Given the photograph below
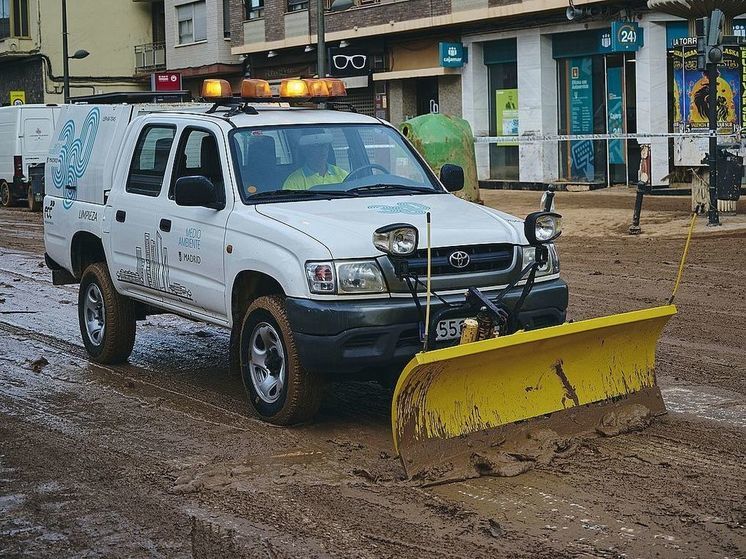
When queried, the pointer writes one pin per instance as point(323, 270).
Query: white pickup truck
point(262, 219)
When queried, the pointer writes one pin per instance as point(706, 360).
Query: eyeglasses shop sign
point(348, 62)
point(452, 55)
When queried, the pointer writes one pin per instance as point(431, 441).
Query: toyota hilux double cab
point(286, 224)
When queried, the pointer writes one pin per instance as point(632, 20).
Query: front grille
point(482, 258)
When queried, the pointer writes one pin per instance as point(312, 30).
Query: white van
point(25, 134)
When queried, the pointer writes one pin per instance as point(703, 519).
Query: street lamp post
point(337, 5)
point(321, 40)
point(65, 58)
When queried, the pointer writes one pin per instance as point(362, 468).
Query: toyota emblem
point(459, 259)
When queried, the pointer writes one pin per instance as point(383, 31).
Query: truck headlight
point(550, 268)
point(363, 276)
point(347, 277)
point(397, 239)
point(542, 227)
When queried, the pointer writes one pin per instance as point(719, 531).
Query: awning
point(693, 9)
point(418, 73)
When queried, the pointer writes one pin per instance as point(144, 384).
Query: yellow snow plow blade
point(461, 411)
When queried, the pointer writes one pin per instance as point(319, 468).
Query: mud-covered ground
point(158, 458)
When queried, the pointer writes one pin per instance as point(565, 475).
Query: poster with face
point(690, 91)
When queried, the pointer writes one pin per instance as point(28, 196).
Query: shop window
point(192, 22)
point(503, 98)
point(582, 84)
point(254, 9)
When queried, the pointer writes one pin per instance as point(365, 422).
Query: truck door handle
point(121, 215)
point(165, 225)
point(71, 186)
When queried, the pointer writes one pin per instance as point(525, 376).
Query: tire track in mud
point(80, 353)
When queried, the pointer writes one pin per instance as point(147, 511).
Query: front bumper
point(375, 336)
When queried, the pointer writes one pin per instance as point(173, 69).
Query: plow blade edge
point(569, 379)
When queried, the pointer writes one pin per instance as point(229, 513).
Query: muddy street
point(160, 457)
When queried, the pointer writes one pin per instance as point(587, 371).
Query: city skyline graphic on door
point(153, 270)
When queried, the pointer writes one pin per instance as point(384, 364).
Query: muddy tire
point(33, 205)
point(107, 319)
point(6, 199)
point(279, 388)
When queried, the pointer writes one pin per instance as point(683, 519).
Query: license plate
point(449, 329)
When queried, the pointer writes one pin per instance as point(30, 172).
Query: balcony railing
point(150, 57)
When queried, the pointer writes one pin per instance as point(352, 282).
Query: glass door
point(503, 97)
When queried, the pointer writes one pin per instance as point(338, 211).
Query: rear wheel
point(6, 200)
point(33, 205)
point(280, 389)
point(107, 319)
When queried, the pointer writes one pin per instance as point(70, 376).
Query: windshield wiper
point(281, 193)
point(388, 187)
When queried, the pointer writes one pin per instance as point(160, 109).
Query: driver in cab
point(316, 169)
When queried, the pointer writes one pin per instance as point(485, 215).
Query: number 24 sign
point(625, 36)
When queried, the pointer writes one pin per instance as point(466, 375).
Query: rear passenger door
point(194, 236)
point(140, 260)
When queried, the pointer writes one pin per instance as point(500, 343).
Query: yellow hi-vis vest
point(304, 178)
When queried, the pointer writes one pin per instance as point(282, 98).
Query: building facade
point(531, 71)
point(198, 42)
point(31, 63)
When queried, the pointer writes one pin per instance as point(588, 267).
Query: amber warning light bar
point(295, 89)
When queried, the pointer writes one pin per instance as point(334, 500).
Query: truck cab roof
point(267, 114)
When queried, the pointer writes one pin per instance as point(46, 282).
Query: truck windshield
point(329, 160)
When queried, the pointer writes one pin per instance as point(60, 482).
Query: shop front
point(596, 91)
point(543, 84)
point(420, 78)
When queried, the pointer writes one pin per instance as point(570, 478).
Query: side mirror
point(452, 177)
point(196, 191)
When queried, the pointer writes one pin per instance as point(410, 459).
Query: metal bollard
point(642, 189)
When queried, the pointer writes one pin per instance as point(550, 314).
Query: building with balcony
point(198, 42)
point(527, 73)
point(31, 47)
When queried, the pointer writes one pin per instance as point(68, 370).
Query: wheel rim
point(4, 194)
point(94, 314)
point(267, 363)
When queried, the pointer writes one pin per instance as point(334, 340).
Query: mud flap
point(592, 376)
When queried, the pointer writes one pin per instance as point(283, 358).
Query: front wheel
point(107, 319)
point(6, 200)
point(279, 388)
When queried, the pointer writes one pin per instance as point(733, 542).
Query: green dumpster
point(444, 139)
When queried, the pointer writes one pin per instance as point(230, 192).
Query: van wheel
point(5, 198)
point(107, 319)
point(33, 205)
point(280, 389)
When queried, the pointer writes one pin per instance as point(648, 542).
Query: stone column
point(652, 97)
point(475, 103)
point(537, 106)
